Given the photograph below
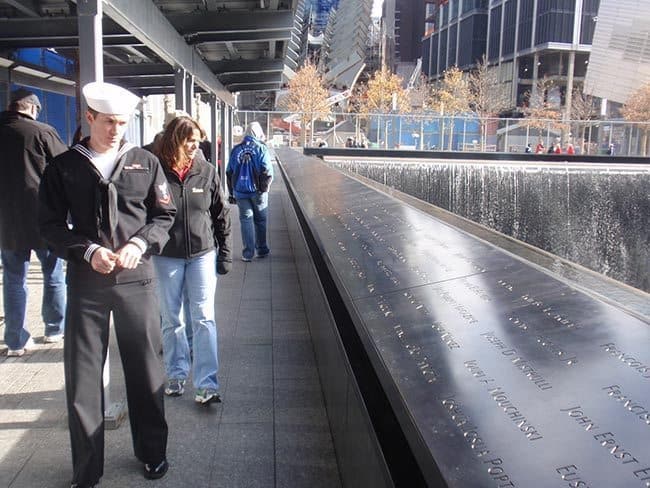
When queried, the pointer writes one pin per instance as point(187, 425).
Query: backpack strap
point(245, 157)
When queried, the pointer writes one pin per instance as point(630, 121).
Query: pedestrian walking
point(28, 146)
point(106, 208)
point(249, 175)
point(199, 247)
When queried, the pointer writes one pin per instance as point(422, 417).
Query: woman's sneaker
point(175, 387)
point(206, 396)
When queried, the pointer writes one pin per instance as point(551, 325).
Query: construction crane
point(417, 71)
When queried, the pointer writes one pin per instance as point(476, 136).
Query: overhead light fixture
point(5, 63)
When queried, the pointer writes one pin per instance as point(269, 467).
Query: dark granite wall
point(596, 216)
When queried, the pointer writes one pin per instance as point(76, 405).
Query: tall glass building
point(526, 39)
point(320, 14)
point(620, 58)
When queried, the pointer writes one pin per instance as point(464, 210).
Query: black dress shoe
point(155, 471)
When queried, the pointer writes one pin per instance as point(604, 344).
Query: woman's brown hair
point(177, 131)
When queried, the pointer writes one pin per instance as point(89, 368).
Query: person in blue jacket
point(249, 175)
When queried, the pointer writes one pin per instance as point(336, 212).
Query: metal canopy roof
point(228, 46)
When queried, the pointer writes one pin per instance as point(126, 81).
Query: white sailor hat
point(107, 98)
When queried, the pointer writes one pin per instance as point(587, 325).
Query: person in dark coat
point(199, 247)
point(27, 146)
point(106, 208)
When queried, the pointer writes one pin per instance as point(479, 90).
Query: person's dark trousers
point(15, 265)
point(136, 320)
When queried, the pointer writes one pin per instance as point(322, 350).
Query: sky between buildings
point(376, 8)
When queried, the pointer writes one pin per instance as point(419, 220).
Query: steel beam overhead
point(239, 36)
point(50, 28)
point(246, 78)
point(134, 70)
point(142, 81)
point(48, 84)
point(125, 40)
point(25, 6)
point(63, 32)
point(246, 65)
point(145, 40)
point(236, 21)
point(154, 90)
point(255, 87)
point(144, 20)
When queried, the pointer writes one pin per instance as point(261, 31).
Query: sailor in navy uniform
point(105, 208)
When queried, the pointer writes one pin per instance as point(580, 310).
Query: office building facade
point(526, 40)
point(402, 34)
point(620, 59)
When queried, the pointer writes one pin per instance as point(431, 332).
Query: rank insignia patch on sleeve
point(163, 193)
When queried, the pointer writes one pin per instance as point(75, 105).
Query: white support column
point(214, 155)
point(533, 90)
point(91, 61)
point(226, 133)
point(568, 97)
point(515, 59)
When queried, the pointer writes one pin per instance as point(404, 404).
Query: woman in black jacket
point(199, 247)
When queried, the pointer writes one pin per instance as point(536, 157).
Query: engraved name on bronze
point(500, 396)
point(571, 475)
point(438, 326)
point(493, 465)
point(518, 361)
point(631, 361)
point(548, 345)
point(558, 320)
point(629, 404)
point(613, 446)
point(415, 353)
point(456, 305)
point(476, 290)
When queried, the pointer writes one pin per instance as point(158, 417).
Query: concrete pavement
point(270, 431)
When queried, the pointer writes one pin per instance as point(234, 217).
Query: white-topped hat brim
point(110, 99)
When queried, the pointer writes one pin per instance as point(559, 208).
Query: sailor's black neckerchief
point(106, 195)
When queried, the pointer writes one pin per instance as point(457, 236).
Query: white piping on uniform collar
point(88, 153)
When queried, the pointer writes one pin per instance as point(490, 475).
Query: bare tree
point(451, 96)
point(385, 94)
point(583, 109)
point(539, 113)
point(637, 109)
point(307, 98)
point(489, 97)
point(420, 95)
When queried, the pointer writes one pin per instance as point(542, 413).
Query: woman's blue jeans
point(252, 218)
point(15, 265)
point(198, 278)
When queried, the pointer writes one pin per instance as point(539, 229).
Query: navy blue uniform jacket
point(78, 208)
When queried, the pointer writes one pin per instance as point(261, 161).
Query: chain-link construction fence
point(450, 133)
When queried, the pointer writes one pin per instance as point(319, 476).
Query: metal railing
point(450, 133)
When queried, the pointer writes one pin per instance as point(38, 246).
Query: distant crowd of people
point(356, 142)
point(556, 148)
point(144, 232)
